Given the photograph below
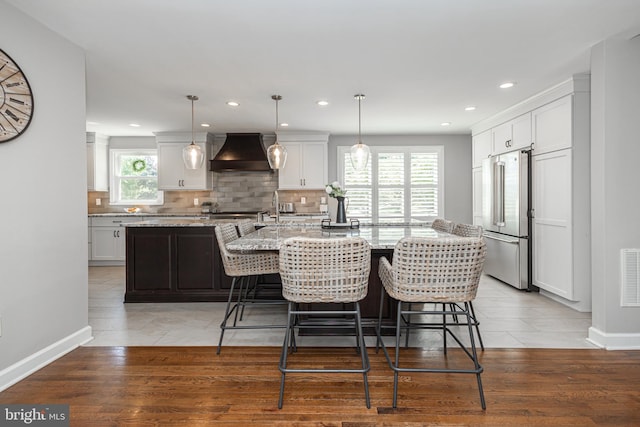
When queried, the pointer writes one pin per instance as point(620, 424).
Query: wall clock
point(16, 100)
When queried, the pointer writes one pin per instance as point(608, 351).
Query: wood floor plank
point(192, 386)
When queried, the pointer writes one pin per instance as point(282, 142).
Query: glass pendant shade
point(277, 156)
point(193, 156)
point(276, 153)
point(360, 156)
point(359, 152)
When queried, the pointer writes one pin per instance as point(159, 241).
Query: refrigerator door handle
point(498, 194)
point(512, 241)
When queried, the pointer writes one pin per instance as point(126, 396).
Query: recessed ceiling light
point(232, 103)
point(445, 124)
point(322, 103)
point(469, 108)
point(134, 125)
point(205, 125)
point(284, 125)
point(506, 85)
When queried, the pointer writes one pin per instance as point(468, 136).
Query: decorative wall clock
point(16, 100)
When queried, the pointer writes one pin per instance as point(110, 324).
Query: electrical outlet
point(98, 202)
point(303, 200)
point(196, 202)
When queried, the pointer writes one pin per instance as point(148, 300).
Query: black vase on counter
point(341, 215)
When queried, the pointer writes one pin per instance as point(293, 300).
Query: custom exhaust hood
point(241, 152)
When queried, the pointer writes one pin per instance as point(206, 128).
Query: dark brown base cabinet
point(174, 264)
point(183, 264)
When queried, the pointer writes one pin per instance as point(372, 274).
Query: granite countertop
point(196, 222)
point(143, 214)
point(378, 236)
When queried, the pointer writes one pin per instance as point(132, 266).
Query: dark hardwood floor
point(191, 386)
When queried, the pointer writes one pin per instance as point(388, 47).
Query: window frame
point(407, 151)
point(114, 178)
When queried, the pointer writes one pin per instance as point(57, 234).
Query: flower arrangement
point(335, 190)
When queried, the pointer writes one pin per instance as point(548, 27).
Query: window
point(134, 177)
point(400, 184)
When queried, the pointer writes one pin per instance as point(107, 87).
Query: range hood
point(241, 152)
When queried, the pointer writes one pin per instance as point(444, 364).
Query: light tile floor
point(509, 318)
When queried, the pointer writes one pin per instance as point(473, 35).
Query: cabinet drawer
point(114, 221)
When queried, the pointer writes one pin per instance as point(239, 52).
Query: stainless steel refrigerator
point(506, 217)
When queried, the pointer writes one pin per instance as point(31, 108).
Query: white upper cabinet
point(512, 135)
point(481, 147)
point(172, 173)
point(97, 162)
point(552, 126)
point(306, 166)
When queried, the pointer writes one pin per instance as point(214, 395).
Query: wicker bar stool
point(444, 225)
point(245, 227)
point(432, 270)
point(242, 267)
point(468, 230)
point(317, 270)
point(253, 285)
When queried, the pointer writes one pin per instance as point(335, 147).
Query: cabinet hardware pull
point(114, 234)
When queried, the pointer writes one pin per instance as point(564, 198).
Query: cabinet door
point(552, 126)
point(481, 147)
point(521, 132)
point(289, 177)
point(501, 138)
point(172, 173)
point(105, 245)
point(552, 227)
point(477, 195)
point(512, 135)
point(170, 166)
point(314, 167)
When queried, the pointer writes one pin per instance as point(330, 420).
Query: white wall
point(615, 199)
point(43, 224)
point(457, 166)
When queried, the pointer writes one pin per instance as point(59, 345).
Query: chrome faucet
point(276, 203)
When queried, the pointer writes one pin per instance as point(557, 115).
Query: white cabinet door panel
point(481, 147)
point(552, 228)
point(314, 168)
point(477, 195)
point(552, 126)
point(289, 176)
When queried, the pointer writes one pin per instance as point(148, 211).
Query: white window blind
point(400, 184)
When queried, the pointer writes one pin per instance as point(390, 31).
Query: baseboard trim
point(614, 341)
point(25, 367)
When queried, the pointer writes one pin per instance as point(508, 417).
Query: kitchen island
point(179, 260)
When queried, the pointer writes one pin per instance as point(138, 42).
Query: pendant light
point(359, 152)
point(276, 153)
point(192, 154)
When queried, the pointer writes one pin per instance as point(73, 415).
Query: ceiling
point(419, 62)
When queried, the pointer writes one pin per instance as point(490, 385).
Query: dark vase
point(341, 215)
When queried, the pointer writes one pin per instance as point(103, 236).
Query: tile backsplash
point(233, 191)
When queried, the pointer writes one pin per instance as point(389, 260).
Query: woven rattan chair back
point(467, 230)
point(428, 269)
point(325, 270)
point(245, 227)
point(443, 225)
point(243, 264)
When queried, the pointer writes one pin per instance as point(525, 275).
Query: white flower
point(335, 190)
